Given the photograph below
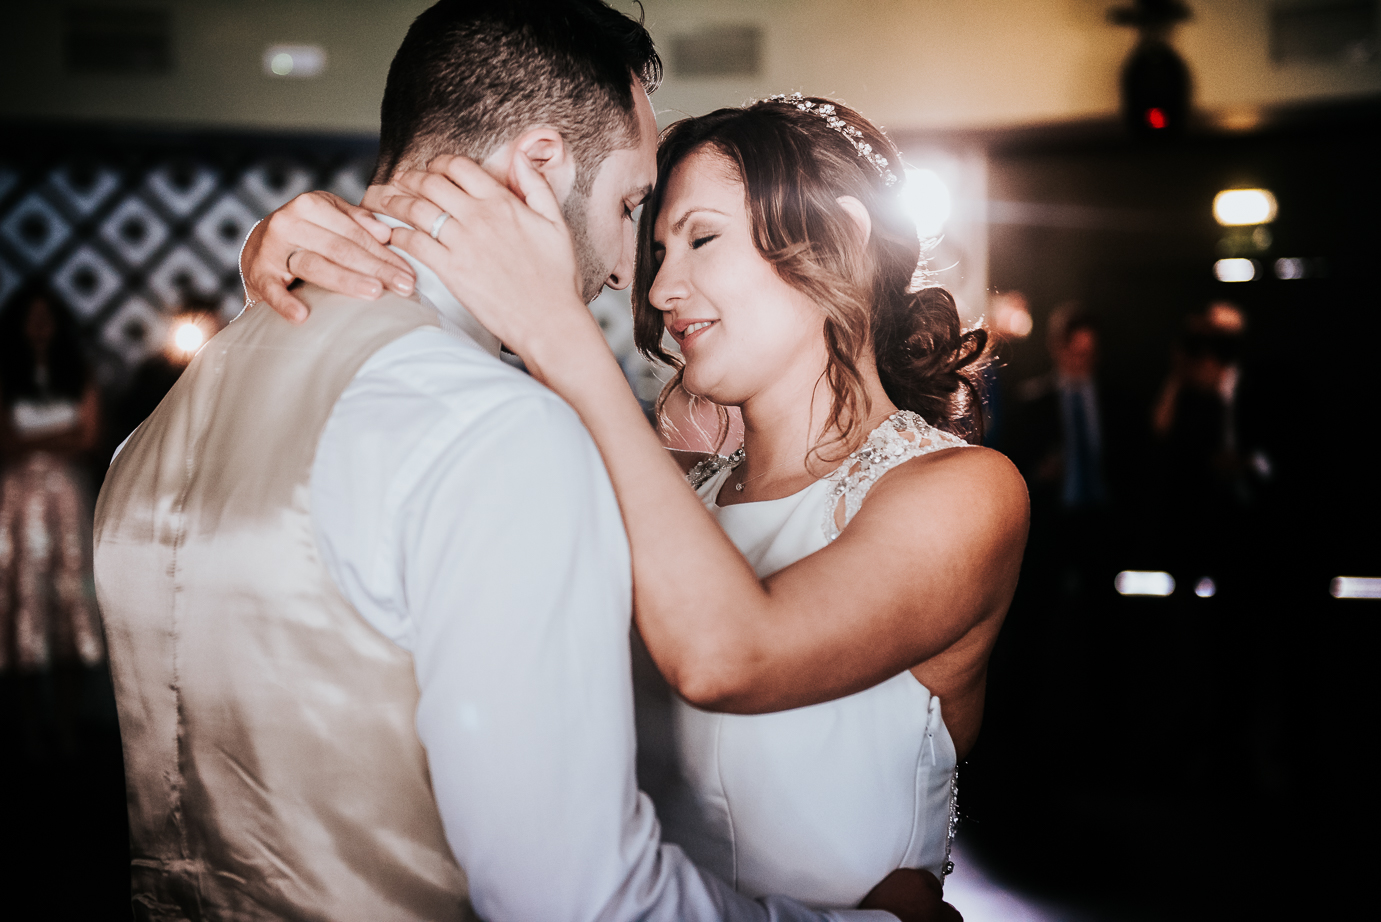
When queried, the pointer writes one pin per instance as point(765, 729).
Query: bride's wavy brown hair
point(794, 167)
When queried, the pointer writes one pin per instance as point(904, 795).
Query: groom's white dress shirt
point(464, 511)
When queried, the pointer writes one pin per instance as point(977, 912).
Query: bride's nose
point(668, 287)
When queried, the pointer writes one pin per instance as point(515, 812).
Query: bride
point(819, 592)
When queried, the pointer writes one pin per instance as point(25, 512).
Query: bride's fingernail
point(402, 284)
point(373, 289)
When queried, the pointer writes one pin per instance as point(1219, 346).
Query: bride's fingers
point(318, 270)
point(353, 224)
point(537, 192)
point(468, 175)
point(414, 210)
point(372, 225)
point(317, 222)
point(442, 194)
point(420, 245)
point(277, 296)
point(325, 258)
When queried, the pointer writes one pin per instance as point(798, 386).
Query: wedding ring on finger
point(439, 223)
point(288, 263)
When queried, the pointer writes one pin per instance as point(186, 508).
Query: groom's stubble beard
point(575, 210)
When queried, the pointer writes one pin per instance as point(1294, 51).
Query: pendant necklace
point(738, 487)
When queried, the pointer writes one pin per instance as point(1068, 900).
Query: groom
point(366, 587)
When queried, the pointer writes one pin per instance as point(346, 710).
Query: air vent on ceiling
point(718, 51)
point(117, 40)
point(1324, 31)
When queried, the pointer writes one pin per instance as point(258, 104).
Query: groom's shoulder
point(434, 381)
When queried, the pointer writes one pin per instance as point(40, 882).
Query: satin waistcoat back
point(273, 767)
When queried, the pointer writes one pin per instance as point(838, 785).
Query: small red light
point(1155, 118)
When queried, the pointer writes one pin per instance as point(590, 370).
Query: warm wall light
point(294, 60)
point(1356, 587)
point(926, 199)
point(188, 337)
point(1234, 270)
point(1144, 582)
point(1242, 207)
point(1010, 314)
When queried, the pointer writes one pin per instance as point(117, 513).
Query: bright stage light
point(1206, 588)
point(926, 199)
point(1144, 582)
point(1234, 270)
point(1356, 587)
point(188, 337)
point(1243, 207)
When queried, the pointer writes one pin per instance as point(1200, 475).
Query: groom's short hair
point(473, 74)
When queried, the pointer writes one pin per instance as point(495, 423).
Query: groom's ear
point(546, 152)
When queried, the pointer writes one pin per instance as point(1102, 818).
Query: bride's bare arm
point(323, 239)
point(930, 559)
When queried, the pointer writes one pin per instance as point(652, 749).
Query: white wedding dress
point(817, 803)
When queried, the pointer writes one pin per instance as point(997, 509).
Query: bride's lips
point(687, 331)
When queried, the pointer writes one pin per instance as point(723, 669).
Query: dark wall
point(1186, 754)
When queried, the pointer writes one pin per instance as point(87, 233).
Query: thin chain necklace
point(743, 456)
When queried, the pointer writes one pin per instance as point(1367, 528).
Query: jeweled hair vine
point(851, 134)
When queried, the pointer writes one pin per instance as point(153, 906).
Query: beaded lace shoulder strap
point(904, 435)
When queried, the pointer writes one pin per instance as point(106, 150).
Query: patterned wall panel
point(128, 227)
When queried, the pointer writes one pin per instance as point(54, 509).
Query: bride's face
point(741, 328)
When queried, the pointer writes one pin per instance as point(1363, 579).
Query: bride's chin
point(717, 384)
point(713, 395)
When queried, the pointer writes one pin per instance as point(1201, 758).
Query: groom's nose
point(621, 276)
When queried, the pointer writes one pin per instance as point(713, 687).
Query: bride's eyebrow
point(681, 222)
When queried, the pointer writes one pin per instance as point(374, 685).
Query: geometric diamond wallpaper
point(126, 226)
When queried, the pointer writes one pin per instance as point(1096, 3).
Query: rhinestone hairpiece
point(851, 134)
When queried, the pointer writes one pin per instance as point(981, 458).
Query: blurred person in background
point(1195, 416)
point(1061, 437)
point(1212, 469)
point(51, 420)
point(1057, 427)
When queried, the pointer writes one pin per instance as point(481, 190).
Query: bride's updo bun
point(794, 166)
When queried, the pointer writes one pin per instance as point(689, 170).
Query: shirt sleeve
point(516, 574)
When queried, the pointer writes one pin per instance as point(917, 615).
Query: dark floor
point(63, 813)
point(1142, 759)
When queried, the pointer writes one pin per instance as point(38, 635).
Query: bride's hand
point(508, 259)
point(912, 896)
point(323, 239)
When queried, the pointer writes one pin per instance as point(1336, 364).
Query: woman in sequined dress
point(50, 419)
point(827, 584)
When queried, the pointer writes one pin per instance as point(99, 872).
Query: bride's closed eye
point(698, 242)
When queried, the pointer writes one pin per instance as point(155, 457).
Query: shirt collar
point(455, 319)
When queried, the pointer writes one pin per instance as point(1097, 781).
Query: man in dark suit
point(1058, 432)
